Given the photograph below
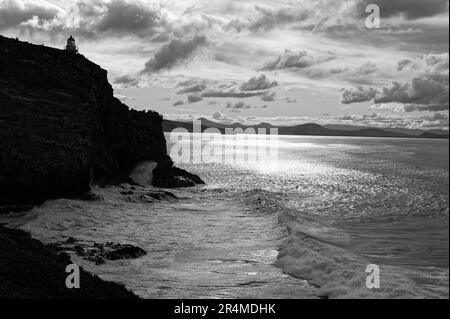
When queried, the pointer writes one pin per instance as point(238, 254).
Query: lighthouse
point(71, 46)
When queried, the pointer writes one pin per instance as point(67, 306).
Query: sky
point(284, 62)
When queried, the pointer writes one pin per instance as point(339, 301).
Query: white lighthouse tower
point(71, 46)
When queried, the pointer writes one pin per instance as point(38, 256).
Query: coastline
point(31, 270)
point(62, 131)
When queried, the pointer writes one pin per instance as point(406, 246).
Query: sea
point(329, 217)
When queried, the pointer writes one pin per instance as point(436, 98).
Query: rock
point(62, 129)
point(165, 175)
point(117, 251)
point(31, 270)
point(100, 252)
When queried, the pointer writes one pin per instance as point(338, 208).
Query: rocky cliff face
point(61, 129)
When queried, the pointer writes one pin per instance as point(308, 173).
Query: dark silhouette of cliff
point(62, 129)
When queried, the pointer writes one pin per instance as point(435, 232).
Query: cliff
point(62, 129)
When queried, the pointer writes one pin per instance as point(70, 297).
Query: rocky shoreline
point(32, 270)
point(62, 131)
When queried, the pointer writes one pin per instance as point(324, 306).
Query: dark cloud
point(238, 105)
point(241, 105)
point(15, 12)
point(421, 91)
point(194, 98)
point(272, 18)
point(405, 64)
point(192, 89)
point(126, 80)
point(258, 83)
point(422, 94)
point(301, 59)
point(256, 86)
point(174, 52)
point(98, 18)
point(127, 17)
point(427, 91)
point(410, 9)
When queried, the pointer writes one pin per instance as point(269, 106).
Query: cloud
point(271, 18)
point(98, 18)
point(422, 94)
point(433, 121)
point(363, 74)
point(268, 97)
point(126, 80)
point(219, 116)
point(125, 17)
point(428, 89)
point(300, 59)
point(258, 83)
point(427, 64)
point(230, 93)
point(421, 91)
point(174, 52)
point(408, 108)
point(194, 98)
point(256, 86)
point(192, 89)
point(358, 94)
point(124, 98)
point(312, 16)
point(365, 69)
point(238, 105)
point(15, 12)
point(405, 64)
point(410, 9)
point(290, 100)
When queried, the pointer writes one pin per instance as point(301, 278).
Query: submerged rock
point(100, 252)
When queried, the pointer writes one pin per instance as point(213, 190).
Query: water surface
point(303, 226)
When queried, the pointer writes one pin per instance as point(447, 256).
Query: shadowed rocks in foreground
point(29, 269)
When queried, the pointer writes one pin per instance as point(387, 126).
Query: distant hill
point(433, 135)
point(309, 129)
point(407, 131)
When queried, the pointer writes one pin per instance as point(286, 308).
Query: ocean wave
point(316, 252)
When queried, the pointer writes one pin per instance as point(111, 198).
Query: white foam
point(339, 273)
point(143, 173)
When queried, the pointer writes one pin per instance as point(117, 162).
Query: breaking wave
point(318, 252)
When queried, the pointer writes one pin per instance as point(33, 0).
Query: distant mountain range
point(314, 129)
